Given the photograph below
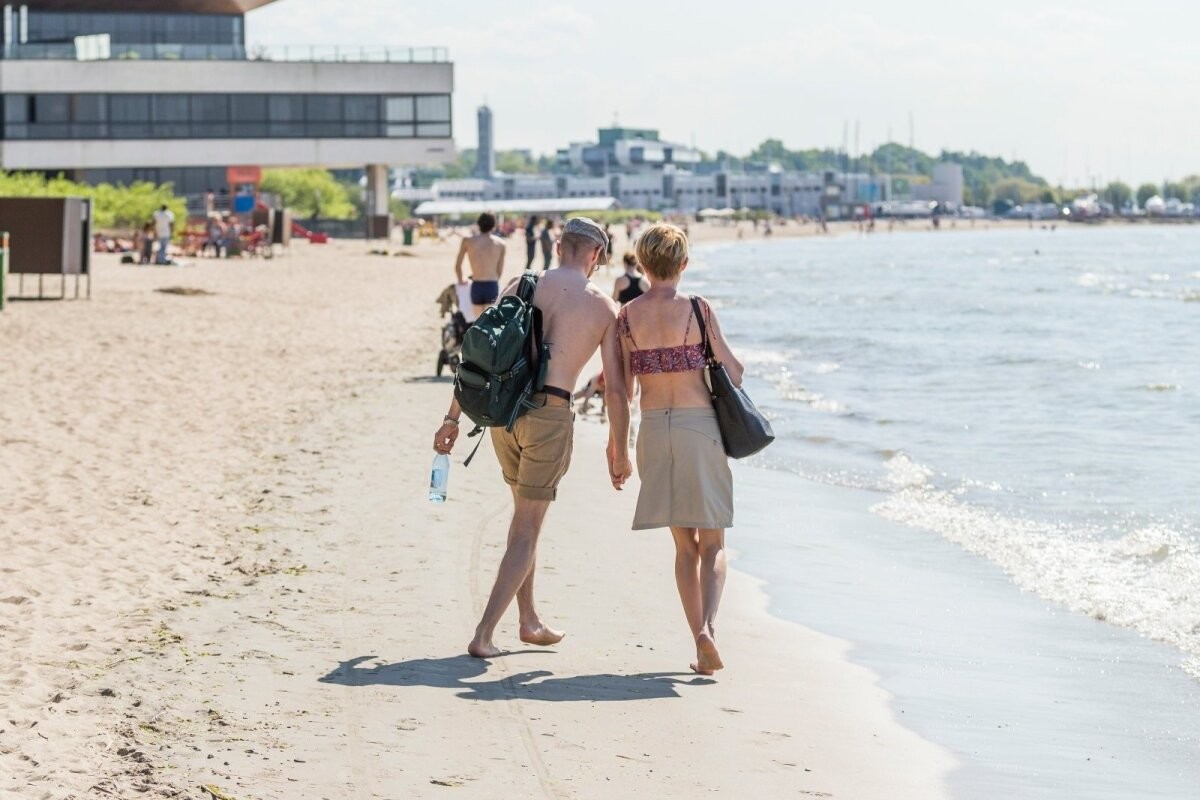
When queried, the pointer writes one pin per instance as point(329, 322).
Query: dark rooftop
point(151, 6)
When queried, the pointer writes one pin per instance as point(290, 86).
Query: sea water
point(1030, 396)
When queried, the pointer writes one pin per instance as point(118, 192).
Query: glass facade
point(225, 116)
point(130, 28)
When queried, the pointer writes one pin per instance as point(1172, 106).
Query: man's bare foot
point(708, 660)
point(541, 635)
point(482, 649)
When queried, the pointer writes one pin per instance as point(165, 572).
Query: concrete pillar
point(379, 190)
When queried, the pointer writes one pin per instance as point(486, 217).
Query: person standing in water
point(485, 251)
point(687, 485)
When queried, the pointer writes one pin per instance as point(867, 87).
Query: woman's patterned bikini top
point(662, 360)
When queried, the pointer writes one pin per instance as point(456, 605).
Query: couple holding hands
point(658, 340)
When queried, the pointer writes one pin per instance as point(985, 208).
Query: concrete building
point(945, 188)
point(485, 157)
point(625, 150)
point(163, 90)
point(784, 193)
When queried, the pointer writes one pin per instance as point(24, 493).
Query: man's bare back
point(485, 252)
point(576, 317)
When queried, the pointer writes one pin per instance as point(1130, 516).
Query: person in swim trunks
point(485, 251)
point(577, 318)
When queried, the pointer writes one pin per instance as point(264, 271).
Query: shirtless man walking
point(578, 317)
point(485, 251)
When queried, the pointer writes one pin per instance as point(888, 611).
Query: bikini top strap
point(623, 325)
point(691, 316)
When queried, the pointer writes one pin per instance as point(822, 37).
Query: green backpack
point(503, 362)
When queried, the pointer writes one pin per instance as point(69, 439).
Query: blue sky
point(1083, 91)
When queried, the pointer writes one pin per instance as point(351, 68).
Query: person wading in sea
point(485, 252)
point(578, 318)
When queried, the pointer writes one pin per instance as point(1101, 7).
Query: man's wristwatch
point(450, 420)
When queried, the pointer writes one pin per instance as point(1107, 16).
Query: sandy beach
point(221, 571)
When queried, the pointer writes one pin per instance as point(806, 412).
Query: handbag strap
point(699, 312)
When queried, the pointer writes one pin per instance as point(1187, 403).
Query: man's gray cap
point(589, 229)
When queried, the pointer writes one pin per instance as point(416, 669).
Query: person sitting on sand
point(577, 319)
point(632, 284)
point(687, 485)
point(485, 251)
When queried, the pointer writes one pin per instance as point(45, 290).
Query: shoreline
point(161, 596)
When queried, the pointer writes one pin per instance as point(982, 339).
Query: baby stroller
point(454, 304)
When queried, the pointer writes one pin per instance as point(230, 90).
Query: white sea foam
point(788, 389)
point(764, 358)
point(826, 367)
point(1147, 580)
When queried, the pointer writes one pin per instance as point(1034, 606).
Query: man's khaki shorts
point(536, 455)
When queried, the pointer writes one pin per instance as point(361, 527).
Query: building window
point(223, 116)
point(433, 108)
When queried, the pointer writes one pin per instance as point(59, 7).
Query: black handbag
point(744, 430)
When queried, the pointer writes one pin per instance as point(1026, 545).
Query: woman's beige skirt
point(686, 482)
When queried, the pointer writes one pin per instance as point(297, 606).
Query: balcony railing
point(92, 51)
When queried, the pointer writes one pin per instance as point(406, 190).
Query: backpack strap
point(698, 312)
point(478, 430)
point(527, 287)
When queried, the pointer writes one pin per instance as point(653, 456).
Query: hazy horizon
point(1082, 92)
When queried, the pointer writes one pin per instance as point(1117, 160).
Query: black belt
point(554, 391)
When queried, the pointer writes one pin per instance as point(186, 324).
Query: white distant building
point(945, 188)
point(784, 193)
point(626, 150)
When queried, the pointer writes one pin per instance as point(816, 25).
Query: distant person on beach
point(147, 252)
point(546, 237)
point(485, 251)
point(164, 226)
point(632, 284)
point(687, 485)
point(530, 241)
point(609, 253)
point(578, 318)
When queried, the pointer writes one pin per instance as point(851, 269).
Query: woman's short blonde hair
point(662, 250)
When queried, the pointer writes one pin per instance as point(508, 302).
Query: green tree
point(1145, 192)
point(1018, 190)
point(1191, 188)
point(978, 193)
point(1118, 193)
point(113, 207)
point(311, 193)
point(400, 210)
point(1176, 190)
point(515, 162)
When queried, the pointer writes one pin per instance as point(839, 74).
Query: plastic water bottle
point(439, 478)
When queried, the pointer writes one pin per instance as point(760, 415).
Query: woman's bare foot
point(708, 660)
point(541, 635)
point(482, 649)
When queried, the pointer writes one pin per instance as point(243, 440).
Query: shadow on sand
point(455, 672)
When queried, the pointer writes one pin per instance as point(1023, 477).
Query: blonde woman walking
point(686, 482)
